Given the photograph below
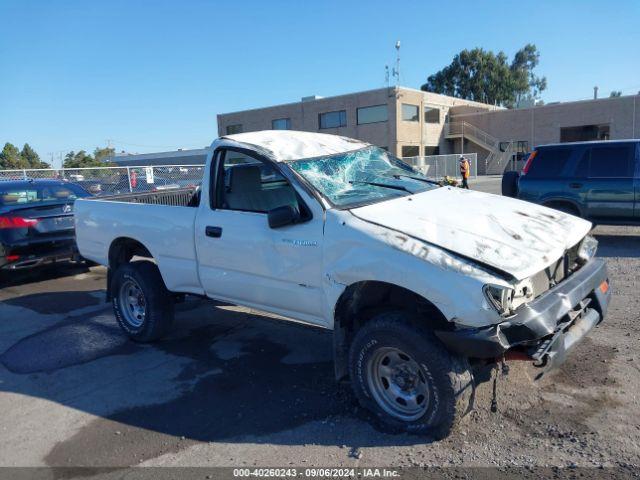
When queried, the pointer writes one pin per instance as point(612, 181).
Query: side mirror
point(281, 216)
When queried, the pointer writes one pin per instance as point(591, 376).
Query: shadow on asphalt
point(13, 278)
point(627, 246)
point(240, 374)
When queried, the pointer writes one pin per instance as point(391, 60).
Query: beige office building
point(413, 123)
point(405, 121)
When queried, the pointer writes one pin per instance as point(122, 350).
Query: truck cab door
point(610, 191)
point(244, 261)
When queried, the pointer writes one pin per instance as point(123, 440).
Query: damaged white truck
point(417, 281)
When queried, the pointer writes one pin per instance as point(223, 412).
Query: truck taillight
point(16, 222)
point(527, 165)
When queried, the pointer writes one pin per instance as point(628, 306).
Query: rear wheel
point(141, 302)
point(405, 376)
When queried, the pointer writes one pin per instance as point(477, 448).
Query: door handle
point(575, 185)
point(215, 232)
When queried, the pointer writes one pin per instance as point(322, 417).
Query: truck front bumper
point(546, 329)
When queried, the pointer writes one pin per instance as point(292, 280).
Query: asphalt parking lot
point(232, 386)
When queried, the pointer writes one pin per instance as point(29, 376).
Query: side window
point(549, 162)
point(610, 162)
point(582, 168)
point(249, 185)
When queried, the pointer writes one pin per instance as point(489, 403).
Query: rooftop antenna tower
point(396, 69)
point(386, 75)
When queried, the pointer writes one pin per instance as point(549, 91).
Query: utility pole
point(396, 69)
point(53, 156)
point(109, 146)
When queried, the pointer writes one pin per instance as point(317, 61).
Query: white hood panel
point(517, 237)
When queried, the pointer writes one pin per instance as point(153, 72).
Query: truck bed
point(162, 222)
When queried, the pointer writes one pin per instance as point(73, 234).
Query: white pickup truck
point(417, 281)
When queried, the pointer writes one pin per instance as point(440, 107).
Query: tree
point(30, 156)
point(526, 83)
point(83, 159)
point(10, 157)
point(615, 93)
point(486, 77)
point(104, 154)
point(80, 159)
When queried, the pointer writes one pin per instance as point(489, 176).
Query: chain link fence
point(117, 180)
point(440, 166)
point(121, 180)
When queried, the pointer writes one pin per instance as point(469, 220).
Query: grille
point(556, 272)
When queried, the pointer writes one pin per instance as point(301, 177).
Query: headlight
point(588, 248)
point(500, 297)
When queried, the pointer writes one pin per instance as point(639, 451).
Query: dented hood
point(510, 235)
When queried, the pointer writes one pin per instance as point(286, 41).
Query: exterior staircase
point(497, 161)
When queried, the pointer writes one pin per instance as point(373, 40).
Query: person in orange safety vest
point(465, 170)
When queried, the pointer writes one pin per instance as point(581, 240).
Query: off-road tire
point(449, 379)
point(159, 310)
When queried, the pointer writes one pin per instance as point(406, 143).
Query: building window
point(333, 119)
point(584, 133)
point(432, 150)
point(231, 129)
point(410, 113)
point(431, 115)
point(375, 114)
point(410, 151)
point(281, 124)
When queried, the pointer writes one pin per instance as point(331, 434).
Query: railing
point(497, 161)
point(439, 166)
point(464, 129)
point(117, 180)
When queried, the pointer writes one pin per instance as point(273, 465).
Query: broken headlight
point(499, 297)
point(588, 248)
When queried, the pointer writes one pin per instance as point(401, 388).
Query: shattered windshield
point(361, 177)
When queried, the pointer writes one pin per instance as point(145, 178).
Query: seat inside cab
point(256, 187)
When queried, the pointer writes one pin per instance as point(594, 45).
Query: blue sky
point(152, 75)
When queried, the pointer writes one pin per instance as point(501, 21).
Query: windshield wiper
point(383, 185)
point(398, 176)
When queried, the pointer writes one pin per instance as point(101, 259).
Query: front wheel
point(141, 302)
point(510, 184)
point(405, 376)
